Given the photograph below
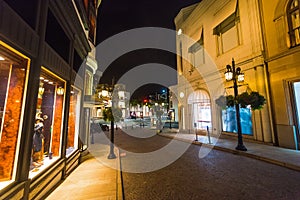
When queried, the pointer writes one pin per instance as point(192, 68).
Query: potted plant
point(254, 99)
point(225, 101)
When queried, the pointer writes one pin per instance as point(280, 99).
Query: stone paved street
point(219, 175)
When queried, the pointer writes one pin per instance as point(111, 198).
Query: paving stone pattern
point(220, 175)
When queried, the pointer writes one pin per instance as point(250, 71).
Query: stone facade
point(214, 33)
point(282, 56)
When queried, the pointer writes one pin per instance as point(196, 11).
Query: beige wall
point(205, 16)
point(283, 64)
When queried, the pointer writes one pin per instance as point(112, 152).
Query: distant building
point(173, 99)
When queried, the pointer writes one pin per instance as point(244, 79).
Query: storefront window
point(48, 122)
point(13, 79)
point(74, 118)
point(229, 120)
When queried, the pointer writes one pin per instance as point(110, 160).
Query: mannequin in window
point(38, 143)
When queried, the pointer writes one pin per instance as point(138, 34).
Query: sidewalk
point(93, 179)
point(276, 155)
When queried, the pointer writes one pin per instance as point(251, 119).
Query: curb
point(119, 178)
point(233, 151)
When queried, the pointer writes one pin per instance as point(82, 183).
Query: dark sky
point(116, 16)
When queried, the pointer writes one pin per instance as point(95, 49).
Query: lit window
point(227, 33)
point(13, 81)
point(46, 140)
point(229, 123)
point(74, 118)
point(294, 22)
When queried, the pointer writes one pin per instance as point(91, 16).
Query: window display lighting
point(60, 90)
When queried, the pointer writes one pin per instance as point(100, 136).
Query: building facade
point(282, 56)
point(210, 35)
point(46, 68)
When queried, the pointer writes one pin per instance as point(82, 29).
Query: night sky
point(116, 16)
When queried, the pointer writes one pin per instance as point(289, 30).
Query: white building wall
point(202, 18)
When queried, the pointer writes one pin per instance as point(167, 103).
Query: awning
point(227, 9)
point(198, 44)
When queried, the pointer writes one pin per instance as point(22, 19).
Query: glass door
point(296, 88)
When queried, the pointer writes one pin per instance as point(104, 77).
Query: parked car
point(104, 127)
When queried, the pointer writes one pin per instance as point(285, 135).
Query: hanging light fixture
point(104, 93)
point(41, 89)
point(60, 90)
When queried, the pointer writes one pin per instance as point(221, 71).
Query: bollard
point(208, 135)
point(196, 136)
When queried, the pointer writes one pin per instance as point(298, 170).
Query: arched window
point(293, 15)
point(200, 109)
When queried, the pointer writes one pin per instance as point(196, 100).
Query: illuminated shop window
point(229, 120)
point(13, 82)
point(48, 122)
point(74, 118)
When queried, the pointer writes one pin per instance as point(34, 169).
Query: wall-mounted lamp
point(179, 32)
point(181, 95)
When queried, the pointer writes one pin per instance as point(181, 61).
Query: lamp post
point(112, 125)
point(236, 75)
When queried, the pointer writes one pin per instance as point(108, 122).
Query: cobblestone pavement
point(219, 175)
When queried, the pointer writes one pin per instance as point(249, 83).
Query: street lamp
point(112, 125)
point(106, 95)
point(236, 75)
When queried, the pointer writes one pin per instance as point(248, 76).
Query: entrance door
point(296, 91)
point(200, 109)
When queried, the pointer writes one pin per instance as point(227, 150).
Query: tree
point(114, 114)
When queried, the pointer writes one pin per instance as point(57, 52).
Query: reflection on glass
point(48, 122)
point(12, 90)
point(74, 116)
point(229, 120)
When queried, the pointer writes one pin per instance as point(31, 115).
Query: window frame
point(194, 49)
point(233, 21)
point(291, 32)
